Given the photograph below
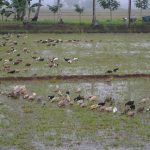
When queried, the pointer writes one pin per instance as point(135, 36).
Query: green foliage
point(54, 8)
point(109, 4)
point(36, 5)
point(78, 9)
point(19, 5)
point(143, 4)
point(1, 3)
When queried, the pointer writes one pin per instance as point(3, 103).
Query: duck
point(12, 71)
point(79, 97)
point(130, 113)
point(55, 65)
point(55, 58)
point(18, 55)
point(126, 109)
point(131, 102)
point(68, 60)
point(53, 98)
point(83, 105)
point(92, 98)
point(115, 110)
point(68, 96)
point(62, 103)
point(144, 100)
point(148, 109)
point(94, 106)
point(26, 96)
point(115, 69)
point(75, 59)
point(101, 104)
point(32, 97)
point(39, 59)
point(27, 64)
point(140, 109)
point(102, 108)
point(109, 72)
point(50, 97)
point(109, 109)
point(59, 93)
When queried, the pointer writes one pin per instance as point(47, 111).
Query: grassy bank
point(116, 26)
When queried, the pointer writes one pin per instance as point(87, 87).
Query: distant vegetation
point(21, 10)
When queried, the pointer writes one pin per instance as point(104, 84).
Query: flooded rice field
point(40, 124)
point(74, 114)
point(31, 54)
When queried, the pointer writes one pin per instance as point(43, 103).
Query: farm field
point(31, 54)
point(37, 123)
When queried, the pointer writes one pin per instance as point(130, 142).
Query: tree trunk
point(80, 18)
point(35, 18)
point(29, 13)
point(2, 18)
point(22, 16)
point(59, 13)
point(94, 15)
point(110, 15)
point(129, 13)
point(26, 19)
point(54, 18)
point(141, 13)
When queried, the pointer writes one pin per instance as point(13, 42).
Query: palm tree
point(26, 18)
point(79, 10)
point(129, 13)
point(59, 13)
point(94, 14)
point(35, 18)
point(53, 9)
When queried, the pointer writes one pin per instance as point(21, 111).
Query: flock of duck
point(14, 56)
point(63, 99)
point(8, 65)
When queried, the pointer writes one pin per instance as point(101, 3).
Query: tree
point(94, 14)
point(54, 9)
point(6, 9)
point(38, 5)
point(129, 13)
point(79, 10)
point(59, 12)
point(142, 4)
point(20, 8)
point(109, 4)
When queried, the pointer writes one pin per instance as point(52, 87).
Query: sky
point(124, 3)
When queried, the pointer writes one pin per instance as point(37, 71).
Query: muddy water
point(120, 90)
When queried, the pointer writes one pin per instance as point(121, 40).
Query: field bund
point(67, 28)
